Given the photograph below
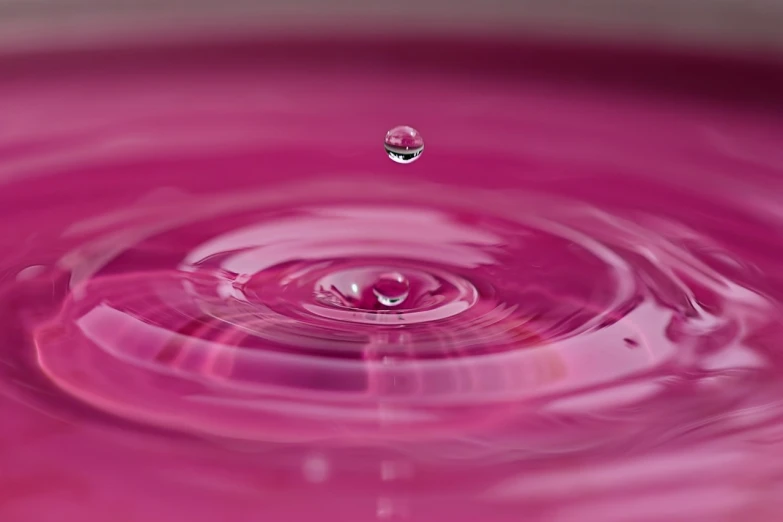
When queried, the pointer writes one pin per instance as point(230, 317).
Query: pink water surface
point(593, 257)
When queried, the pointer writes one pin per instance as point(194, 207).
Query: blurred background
point(747, 23)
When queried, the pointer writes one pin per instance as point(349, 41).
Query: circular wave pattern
point(260, 321)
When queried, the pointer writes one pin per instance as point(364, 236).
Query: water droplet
point(403, 144)
point(391, 289)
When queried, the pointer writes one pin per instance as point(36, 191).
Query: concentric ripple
point(260, 319)
point(215, 286)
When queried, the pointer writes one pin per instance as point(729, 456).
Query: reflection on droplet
point(391, 289)
point(403, 144)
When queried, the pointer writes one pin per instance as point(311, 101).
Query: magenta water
point(221, 301)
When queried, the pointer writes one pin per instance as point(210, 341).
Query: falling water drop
point(403, 144)
point(391, 289)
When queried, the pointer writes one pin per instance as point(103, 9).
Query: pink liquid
point(592, 275)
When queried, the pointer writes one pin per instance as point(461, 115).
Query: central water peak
point(377, 288)
point(391, 289)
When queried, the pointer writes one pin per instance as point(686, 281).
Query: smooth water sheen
point(221, 301)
